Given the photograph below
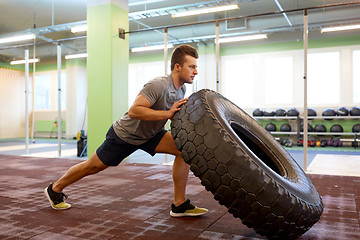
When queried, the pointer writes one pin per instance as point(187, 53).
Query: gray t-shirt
point(162, 94)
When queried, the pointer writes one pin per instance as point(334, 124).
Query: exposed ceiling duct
point(269, 17)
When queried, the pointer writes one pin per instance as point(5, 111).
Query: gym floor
point(132, 201)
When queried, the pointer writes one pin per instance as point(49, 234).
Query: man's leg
point(181, 207)
point(54, 191)
point(180, 168)
point(75, 173)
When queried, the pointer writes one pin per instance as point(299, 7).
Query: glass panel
point(324, 78)
point(42, 84)
point(63, 91)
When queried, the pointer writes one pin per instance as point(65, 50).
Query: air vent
point(236, 24)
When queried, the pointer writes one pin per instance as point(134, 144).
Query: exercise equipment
point(258, 112)
point(269, 112)
point(329, 112)
point(270, 127)
point(238, 161)
point(280, 112)
point(355, 111)
point(311, 112)
point(323, 142)
point(292, 112)
point(285, 127)
point(310, 128)
point(342, 111)
point(356, 128)
point(337, 142)
point(320, 128)
point(336, 128)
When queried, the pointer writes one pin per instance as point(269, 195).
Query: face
point(188, 70)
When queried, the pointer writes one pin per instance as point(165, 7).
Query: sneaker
point(56, 199)
point(186, 210)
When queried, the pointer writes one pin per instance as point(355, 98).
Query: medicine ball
point(258, 112)
point(356, 128)
point(285, 128)
point(269, 112)
point(355, 111)
point(311, 112)
point(342, 111)
point(329, 112)
point(292, 112)
point(270, 127)
point(310, 128)
point(280, 112)
point(320, 128)
point(336, 128)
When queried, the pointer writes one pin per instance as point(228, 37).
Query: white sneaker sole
point(186, 214)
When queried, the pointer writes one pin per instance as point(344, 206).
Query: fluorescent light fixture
point(340, 28)
point(81, 28)
point(17, 38)
point(33, 60)
point(150, 48)
point(73, 56)
point(242, 38)
point(206, 10)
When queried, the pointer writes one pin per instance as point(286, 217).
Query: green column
point(107, 67)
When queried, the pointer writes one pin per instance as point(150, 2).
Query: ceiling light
point(206, 10)
point(150, 48)
point(340, 28)
point(81, 28)
point(73, 56)
point(17, 38)
point(243, 38)
point(33, 60)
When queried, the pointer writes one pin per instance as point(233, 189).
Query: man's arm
point(141, 109)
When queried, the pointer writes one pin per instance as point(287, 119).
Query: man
point(142, 127)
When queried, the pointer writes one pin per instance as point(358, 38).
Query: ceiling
point(50, 20)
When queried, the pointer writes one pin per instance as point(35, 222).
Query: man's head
point(179, 53)
point(184, 65)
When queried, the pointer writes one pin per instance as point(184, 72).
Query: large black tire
point(244, 167)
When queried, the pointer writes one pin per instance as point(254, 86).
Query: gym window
point(278, 80)
point(42, 86)
point(46, 91)
point(324, 78)
point(238, 80)
point(141, 73)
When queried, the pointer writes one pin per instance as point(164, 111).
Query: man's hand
point(141, 109)
point(176, 107)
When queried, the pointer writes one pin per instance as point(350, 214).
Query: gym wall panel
point(107, 70)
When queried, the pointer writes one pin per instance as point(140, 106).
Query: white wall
point(12, 103)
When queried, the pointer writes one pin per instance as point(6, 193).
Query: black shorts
point(113, 150)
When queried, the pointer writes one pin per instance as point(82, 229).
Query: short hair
point(179, 54)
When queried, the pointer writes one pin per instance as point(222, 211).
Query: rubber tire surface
point(244, 167)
